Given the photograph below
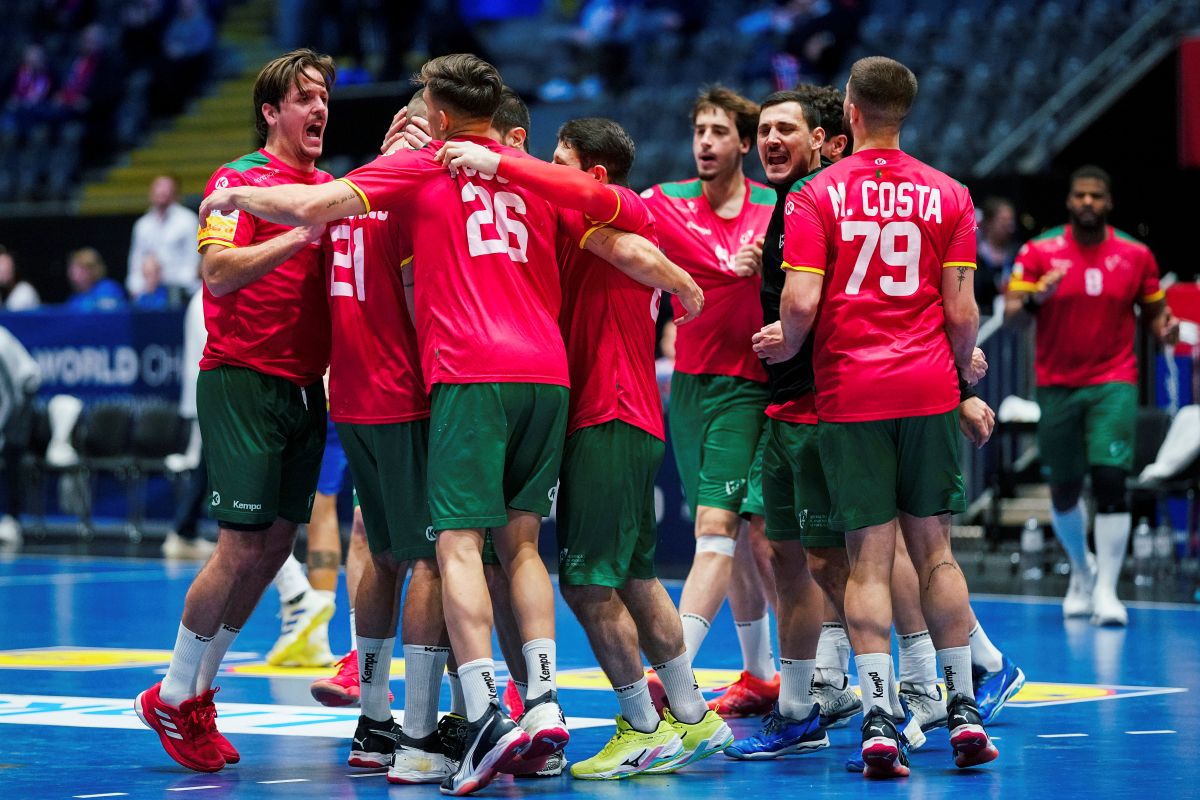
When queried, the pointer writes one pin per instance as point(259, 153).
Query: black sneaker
point(452, 728)
point(884, 750)
point(493, 742)
point(549, 767)
point(374, 742)
point(423, 760)
point(970, 741)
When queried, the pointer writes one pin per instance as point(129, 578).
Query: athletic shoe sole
point(369, 760)
point(971, 746)
point(706, 748)
point(546, 742)
point(508, 749)
point(662, 757)
point(333, 697)
point(881, 760)
point(167, 743)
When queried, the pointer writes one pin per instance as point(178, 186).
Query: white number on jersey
point(352, 259)
point(884, 238)
point(495, 213)
point(1093, 282)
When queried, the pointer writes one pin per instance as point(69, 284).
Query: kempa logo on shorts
point(240, 506)
point(429, 534)
point(733, 487)
point(216, 498)
point(553, 493)
point(802, 518)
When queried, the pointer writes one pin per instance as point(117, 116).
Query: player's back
point(890, 225)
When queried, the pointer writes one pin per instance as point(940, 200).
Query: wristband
point(1031, 305)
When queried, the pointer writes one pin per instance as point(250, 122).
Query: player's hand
point(458, 154)
point(406, 133)
point(691, 297)
point(1048, 284)
point(976, 420)
point(1166, 327)
point(973, 372)
point(310, 234)
point(221, 201)
point(771, 346)
point(747, 261)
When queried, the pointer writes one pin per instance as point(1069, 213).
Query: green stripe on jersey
point(762, 195)
point(799, 184)
point(248, 162)
point(682, 190)
point(1051, 233)
point(1128, 237)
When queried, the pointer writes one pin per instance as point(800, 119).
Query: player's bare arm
point(797, 313)
point(291, 204)
point(1160, 321)
point(962, 321)
point(1017, 302)
point(641, 260)
point(227, 269)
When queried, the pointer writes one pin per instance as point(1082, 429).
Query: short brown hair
point(597, 140)
point(743, 110)
point(273, 81)
point(465, 82)
point(90, 258)
point(511, 113)
point(883, 90)
point(828, 102)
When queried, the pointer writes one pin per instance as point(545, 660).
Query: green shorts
point(492, 447)
point(388, 463)
point(753, 504)
point(715, 424)
point(797, 500)
point(876, 469)
point(263, 437)
point(1089, 426)
point(606, 525)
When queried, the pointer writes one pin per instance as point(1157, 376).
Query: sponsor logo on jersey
point(1114, 262)
point(648, 193)
point(216, 498)
point(1060, 263)
point(240, 506)
point(802, 518)
point(879, 162)
point(733, 487)
point(699, 229)
point(789, 207)
point(552, 495)
point(429, 534)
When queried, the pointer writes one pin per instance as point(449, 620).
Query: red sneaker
point(748, 696)
point(183, 731)
point(342, 688)
point(658, 692)
point(513, 700)
point(208, 713)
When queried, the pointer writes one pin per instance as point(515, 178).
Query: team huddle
point(488, 322)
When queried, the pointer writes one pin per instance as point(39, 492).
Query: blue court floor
point(1106, 713)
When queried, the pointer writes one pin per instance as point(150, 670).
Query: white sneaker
point(927, 705)
point(10, 532)
point(543, 720)
point(1078, 602)
point(1108, 610)
point(318, 654)
point(180, 549)
point(300, 618)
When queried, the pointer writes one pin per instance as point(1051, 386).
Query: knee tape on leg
point(1108, 488)
point(710, 543)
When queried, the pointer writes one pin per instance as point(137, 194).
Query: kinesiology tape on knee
point(710, 543)
point(1108, 488)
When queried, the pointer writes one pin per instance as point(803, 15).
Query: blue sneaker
point(781, 736)
point(994, 689)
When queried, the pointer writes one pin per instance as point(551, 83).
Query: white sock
point(423, 667)
point(540, 655)
point(458, 705)
point(983, 652)
point(956, 667)
point(637, 707)
point(353, 631)
point(213, 655)
point(833, 654)
point(918, 659)
point(180, 681)
point(755, 638)
point(683, 693)
point(875, 680)
point(374, 676)
point(479, 686)
point(695, 628)
point(1112, 539)
point(1071, 529)
point(290, 581)
point(795, 684)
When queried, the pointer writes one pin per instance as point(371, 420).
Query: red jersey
point(279, 324)
point(801, 410)
point(375, 366)
point(694, 237)
point(487, 287)
point(1085, 330)
point(881, 226)
point(608, 326)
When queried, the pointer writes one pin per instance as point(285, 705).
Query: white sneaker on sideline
point(182, 549)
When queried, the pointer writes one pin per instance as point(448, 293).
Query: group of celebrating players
point(488, 321)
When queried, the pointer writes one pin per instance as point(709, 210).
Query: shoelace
point(772, 722)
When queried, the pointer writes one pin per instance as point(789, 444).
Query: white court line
point(1038, 600)
point(1061, 735)
point(364, 774)
point(192, 788)
point(285, 780)
point(105, 794)
point(1146, 733)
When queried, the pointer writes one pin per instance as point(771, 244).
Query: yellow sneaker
point(629, 752)
point(700, 740)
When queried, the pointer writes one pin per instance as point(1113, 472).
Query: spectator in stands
point(820, 36)
point(142, 25)
point(15, 294)
point(30, 93)
point(995, 251)
point(166, 231)
point(89, 81)
point(20, 377)
point(187, 47)
point(93, 291)
point(153, 295)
